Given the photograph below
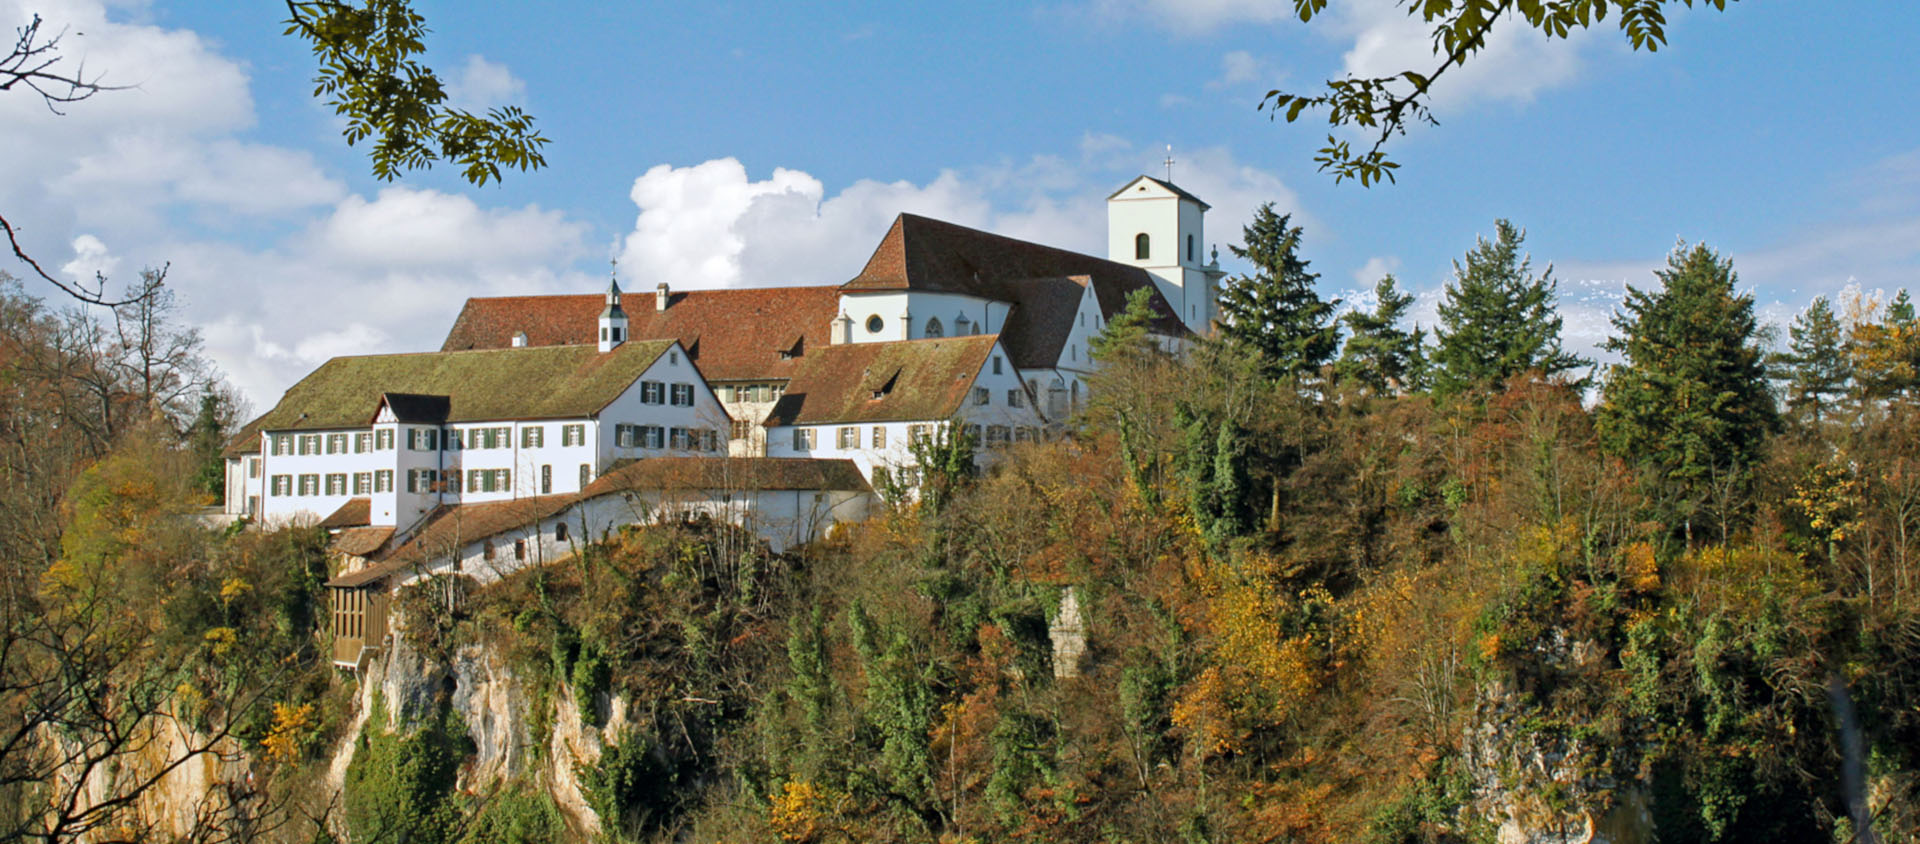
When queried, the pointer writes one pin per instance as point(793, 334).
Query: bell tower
point(1155, 225)
point(613, 320)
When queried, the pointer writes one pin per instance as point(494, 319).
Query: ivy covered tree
point(1689, 406)
point(1497, 319)
point(1275, 313)
point(1815, 366)
point(1378, 354)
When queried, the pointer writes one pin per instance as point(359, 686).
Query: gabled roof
point(920, 253)
point(733, 335)
point(1169, 186)
point(922, 379)
point(355, 513)
point(449, 529)
point(549, 382)
point(730, 473)
point(361, 541)
point(414, 408)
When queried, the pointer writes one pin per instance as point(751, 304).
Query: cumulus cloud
point(484, 84)
point(1517, 62)
point(714, 225)
point(1241, 67)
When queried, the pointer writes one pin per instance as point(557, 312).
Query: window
point(383, 480)
point(546, 480)
point(363, 442)
point(996, 364)
point(652, 392)
point(520, 549)
point(281, 484)
point(616, 334)
point(651, 436)
point(728, 393)
point(879, 436)
point(1023, 434)
point(709, 439)
point(934, 328)
point(476, 480)
point(673, 358)
point(336, 443)
point(1013, 398)
point(383, 439)
point(253, 467)
point(678, 439)
point(309, 444)
point(742, 429)
point(997, 436)
point(586, 475)
point(573, 435)
point(1141, 248)
point(362, 483)
point(310, 484)
point(533, 437)
point(450, 481)
point(982, 395)
point(1189, 247)
point(875, 323)
point(626, 436)
point(486, 550)
point(282, 444)
point(421, 439)
point(559, 531)
point(419, 480)
point(802, 439)
point(849, 437)
point(337, 483)
point(919, 433)
point(973, 433)
point(683, 395)
point(503, 480)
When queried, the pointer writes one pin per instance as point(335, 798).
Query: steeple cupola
point(613, 320)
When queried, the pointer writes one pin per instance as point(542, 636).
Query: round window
point(875, 323)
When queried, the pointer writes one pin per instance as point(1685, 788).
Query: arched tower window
point(934, 328)
point(1141, 250)
point(1189, 247)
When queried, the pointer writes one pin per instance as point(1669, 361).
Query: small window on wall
point(1189, 247)
point(559, 531)
point(934, 328)
point(875, 323)
point(1141, 247)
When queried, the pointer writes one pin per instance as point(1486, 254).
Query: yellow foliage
point(220, 640)
point(801, 811)
point(1829, 496)
point(291, 726)
point(232, 588)
point(1642, 571)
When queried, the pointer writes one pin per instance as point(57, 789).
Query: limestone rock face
point(1547, 788)
point(1069, 635)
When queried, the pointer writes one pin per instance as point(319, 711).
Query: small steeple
point(613, 320)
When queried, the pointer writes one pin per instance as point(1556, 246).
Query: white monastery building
point(543, 421)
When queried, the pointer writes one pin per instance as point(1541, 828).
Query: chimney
point(660, 295)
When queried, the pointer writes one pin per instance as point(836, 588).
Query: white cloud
point(484, 84)
point(1196, 16)
point(90, 259)
point(1241, 67)
point(1517, 62)
point(1373, 270)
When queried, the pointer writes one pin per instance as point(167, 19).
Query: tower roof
point(1170, 187)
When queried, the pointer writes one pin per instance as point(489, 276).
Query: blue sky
point(713, 144)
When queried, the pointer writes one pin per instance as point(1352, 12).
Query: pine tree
point(206, 437)
point(1275, 312)
point(1690, 404)
point(1378, 355)
point(1815, 365)
point(1498, 319)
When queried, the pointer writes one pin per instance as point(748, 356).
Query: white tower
point(613, 321)
point(1154, 225)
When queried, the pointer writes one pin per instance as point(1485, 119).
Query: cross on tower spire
point(1169, 163)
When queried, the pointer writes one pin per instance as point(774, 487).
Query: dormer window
point(1141, 247)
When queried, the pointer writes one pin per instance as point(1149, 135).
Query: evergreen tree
point(1275, 312)
point(1815, 365)
point(1378, 355)
point(1885, 353)
point(1690, 403)
point(1498, 319)
point(206, 437)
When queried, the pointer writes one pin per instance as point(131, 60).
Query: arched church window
point(875, 323)
point(1141, 249)
point(934, 328)
point(1189, 247)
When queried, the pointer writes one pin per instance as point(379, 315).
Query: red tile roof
point(920, 253)
point(449, 529)
point(361, 541)
point(914, 380)
point(354, 513)
point(749, 334)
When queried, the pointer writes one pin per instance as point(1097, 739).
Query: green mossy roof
point(541, 382)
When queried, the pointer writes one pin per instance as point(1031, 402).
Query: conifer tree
point(1275, 313)
point(1885, 353)
point(1378, 355)
point(1690, 404)
point(1815, 365)
point(1498, 319)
